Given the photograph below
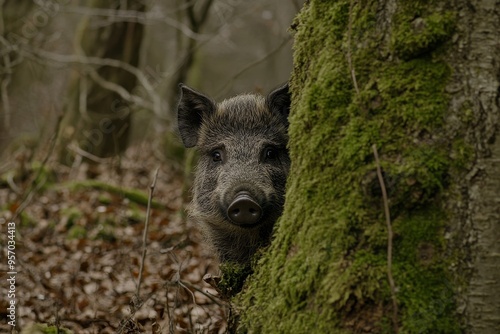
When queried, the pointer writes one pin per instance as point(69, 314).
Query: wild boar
point(240, 179)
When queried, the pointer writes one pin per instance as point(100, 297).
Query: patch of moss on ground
point(133, 195)
point(106, 230)
point(326, 267)
point(73, 215)
point(135, 215)
point(77, 232)
point(27, 220)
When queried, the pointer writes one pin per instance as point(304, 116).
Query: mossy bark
point(418, 80)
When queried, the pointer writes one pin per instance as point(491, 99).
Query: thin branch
point(114, 16)
point(82, 98)
point(4, 85)
point(81, 59)
point(184, 29)
point(187, 289)
point(12, 184)
point(206, 294)
point(81, 152)
point(204, 11)
point(124, 94)
point(145, 234)
point(253, 64)
point(5, 100)
point(192, 17)
point(198, 22)
point(349, 52)
point(9, 49)
point(389, 241)
point(2, 26)
point(37, 184)
point(135, 306)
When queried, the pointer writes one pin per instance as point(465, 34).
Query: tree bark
point(477, 67)
point(420, 81)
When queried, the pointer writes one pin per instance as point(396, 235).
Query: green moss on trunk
point(327, 266)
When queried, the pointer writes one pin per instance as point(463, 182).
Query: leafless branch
point(120, 15)
point(208, 295)
point(124, 94)
point(37, 183)
point(136, 306)
point(187, 289)
point(78, 150)
point(96, 61)
point(184, 29)
point(389, 242)
point(12, 184)
point(5, 101)
point(253, 64)
point(7, 49)
point(4, 85)
point(2, 26)
point(82, 98)
point(197, 21)
point(145, 234)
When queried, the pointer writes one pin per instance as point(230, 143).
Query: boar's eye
point(216, 155)
point(270, 153)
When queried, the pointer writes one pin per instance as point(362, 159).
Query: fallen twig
point(214, 299)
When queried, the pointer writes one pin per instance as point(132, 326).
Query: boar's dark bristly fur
point(239, 186)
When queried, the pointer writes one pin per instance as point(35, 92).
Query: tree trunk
point(103, 117)
point(419, 80)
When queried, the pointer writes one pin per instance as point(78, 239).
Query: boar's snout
point(244, 210)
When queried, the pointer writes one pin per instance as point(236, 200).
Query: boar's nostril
point(244, 210)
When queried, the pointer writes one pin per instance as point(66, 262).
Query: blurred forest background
point(114, 66)
point(87, 121)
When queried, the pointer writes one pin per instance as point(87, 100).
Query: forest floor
point(79, 245)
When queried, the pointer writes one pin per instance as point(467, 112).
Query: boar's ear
point(192, 109)
point(279, 101)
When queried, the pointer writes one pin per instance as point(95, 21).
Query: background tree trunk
point(107, 115)
point(420, 81)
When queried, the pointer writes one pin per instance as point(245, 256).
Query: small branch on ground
point(214, 299)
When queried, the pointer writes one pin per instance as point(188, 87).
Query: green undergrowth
point(327, 266)
point(45, 329)
point(134, 195)
point(35, 174)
